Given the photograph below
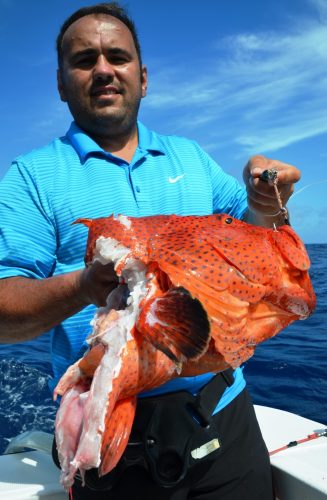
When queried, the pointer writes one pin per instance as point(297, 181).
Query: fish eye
point(229, 220)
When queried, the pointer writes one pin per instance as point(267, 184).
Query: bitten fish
point(203, 292)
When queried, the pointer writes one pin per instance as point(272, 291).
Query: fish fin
point(81, 371)
point(118, 427)
point(91, 360)
point(291, 247)
point(176, 324)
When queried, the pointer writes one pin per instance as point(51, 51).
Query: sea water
point(287, 372)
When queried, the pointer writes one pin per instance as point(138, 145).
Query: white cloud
point(272, 85)
point(321, 7)
point(272, 139)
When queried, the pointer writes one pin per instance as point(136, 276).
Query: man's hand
point(29, 307)
point(262, 201)
point(97, 281)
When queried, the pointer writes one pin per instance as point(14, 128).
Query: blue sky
point(240, 77)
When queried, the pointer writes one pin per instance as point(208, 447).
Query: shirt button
point(137, 188)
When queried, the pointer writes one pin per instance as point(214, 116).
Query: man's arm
point(262, 202)
point(29, 307)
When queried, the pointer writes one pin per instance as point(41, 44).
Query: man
point(108, 163)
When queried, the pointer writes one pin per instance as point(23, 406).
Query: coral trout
point(203, 292)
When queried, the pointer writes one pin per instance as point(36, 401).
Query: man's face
point(100, 76)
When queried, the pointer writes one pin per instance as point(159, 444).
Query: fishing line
point(308, 185)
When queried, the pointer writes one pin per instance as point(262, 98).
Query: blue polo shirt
point(47, 189)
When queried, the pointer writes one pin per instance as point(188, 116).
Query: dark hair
point(110, 9)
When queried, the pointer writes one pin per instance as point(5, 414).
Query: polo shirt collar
point(85, 146)
point(148, 140)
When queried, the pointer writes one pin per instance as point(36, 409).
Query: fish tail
point(118, 428)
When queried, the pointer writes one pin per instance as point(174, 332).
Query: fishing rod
point(316, 434)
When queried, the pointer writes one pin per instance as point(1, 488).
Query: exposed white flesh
point(113, 330)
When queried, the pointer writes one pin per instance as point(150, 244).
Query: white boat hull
point(300, 472)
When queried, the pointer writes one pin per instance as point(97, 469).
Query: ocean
point(287, 372)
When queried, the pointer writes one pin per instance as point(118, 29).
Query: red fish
point(204, 291)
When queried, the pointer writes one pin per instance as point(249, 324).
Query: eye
point(118, 56)
point(84, 60)
point(83, 63)
point(118, 60)
point(229, 220)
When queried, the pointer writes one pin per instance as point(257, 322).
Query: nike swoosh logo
point(172, 180)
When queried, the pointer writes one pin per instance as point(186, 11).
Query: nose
point(103, 69)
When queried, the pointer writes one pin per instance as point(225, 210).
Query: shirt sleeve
point(27, 232)
point(227, 194)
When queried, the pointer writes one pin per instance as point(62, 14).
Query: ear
point(144, 80)
point(60, 86)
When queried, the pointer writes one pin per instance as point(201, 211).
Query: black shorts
point(240, 472)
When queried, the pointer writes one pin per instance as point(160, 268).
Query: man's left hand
point(262, 200)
